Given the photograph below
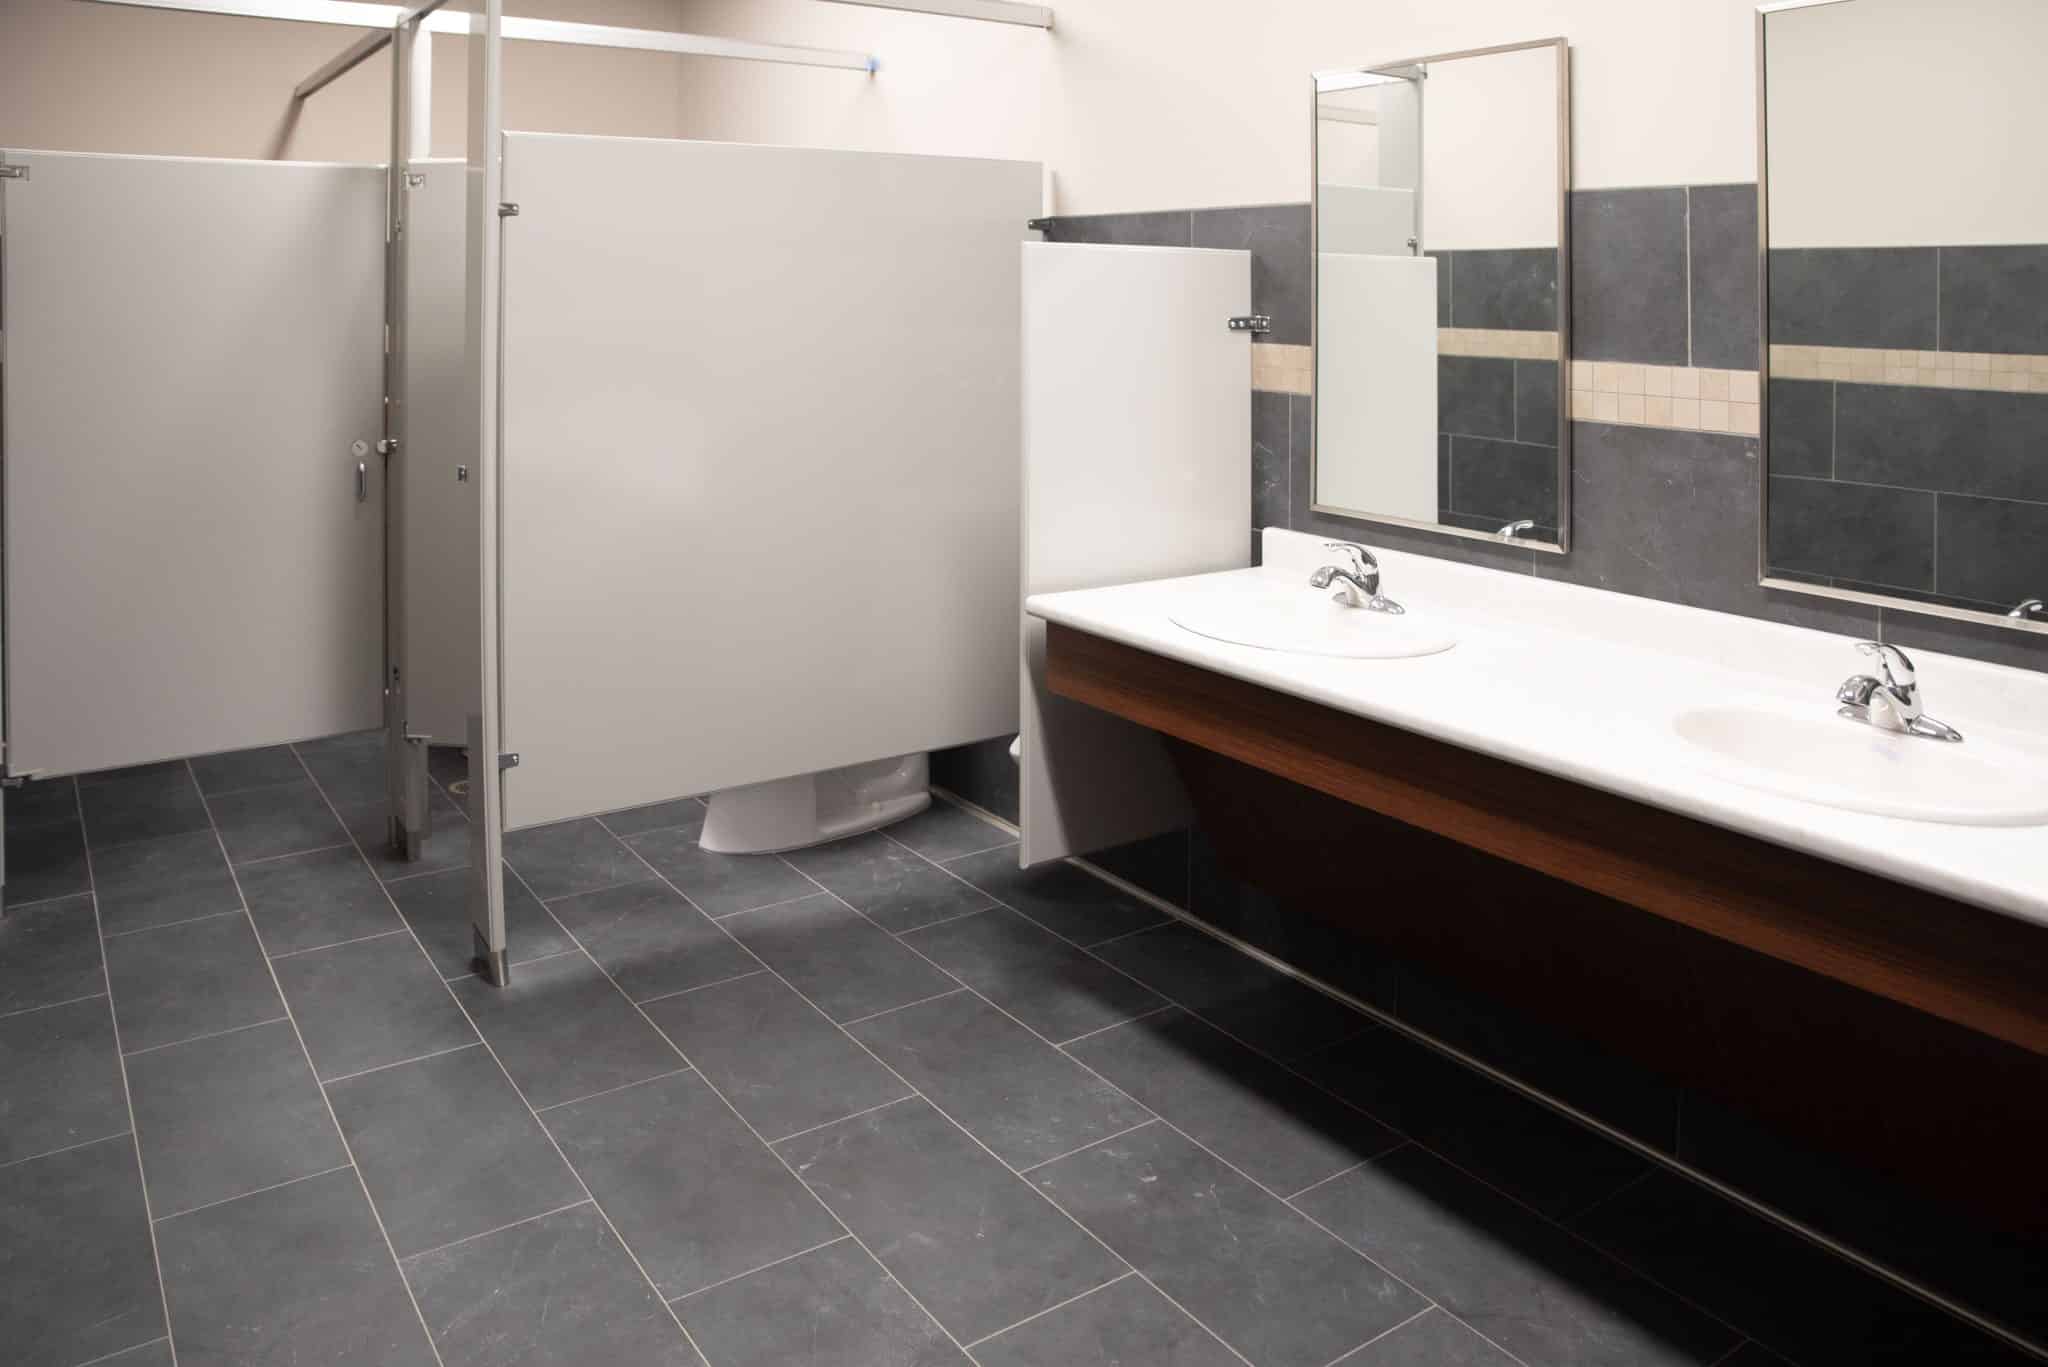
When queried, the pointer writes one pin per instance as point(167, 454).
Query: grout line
point(169, 925)
point(1397, 1145)
point(1385, 1333)
point(1005, 843)
point(400, 1063)
point(500, 1229)
point(210, 1034)
point(127, 1093)
point(841, 1120)
point(1010, 827)
point(407, 877)
point(277, 985)
point(727, 1281)
point(748, 911)
point(1164, 1005)
point(258, 1191)
point(701, 987)
point(63, 1148)
point(593, 892)
point(949, 920)
point(295, 854)
point(622, 1087)
point(13, 907)
point(124, 1352)
point(892, 1010)
point(1124, 1275)
point(338, 944)
point(51, 1006)
point(1128, 1129)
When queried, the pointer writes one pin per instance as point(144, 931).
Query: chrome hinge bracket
point(8, 172)
point(508, 210)
point(1039, 225)
point(509, 760)
point(387, 446)
point(1252, 322)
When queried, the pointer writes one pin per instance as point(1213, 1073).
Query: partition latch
point(13, 172)
point(508, 210)
point(509, 760)
point(1252, 322)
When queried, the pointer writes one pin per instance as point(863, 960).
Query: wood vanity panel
point(1973, 968)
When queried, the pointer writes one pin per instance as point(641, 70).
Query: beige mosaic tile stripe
point(2020, 374)
point(1501, 342)
point(1279, 368)
point(1686, 398)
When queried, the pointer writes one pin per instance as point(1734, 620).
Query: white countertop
point(1583, 683)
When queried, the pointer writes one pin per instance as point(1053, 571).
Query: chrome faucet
point(1358, 583)
point(1515, 529)
point(2032, 610)
point(1891, 703)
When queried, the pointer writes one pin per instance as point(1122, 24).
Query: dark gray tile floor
point(888, 1102)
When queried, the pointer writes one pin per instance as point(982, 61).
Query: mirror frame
point(1562, 545)
point(1763, 375)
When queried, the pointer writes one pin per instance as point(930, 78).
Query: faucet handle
point(1361, 559)
point(1893, 663)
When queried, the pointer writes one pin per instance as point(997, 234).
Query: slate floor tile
point(370, 1003)
point(554, 1290)
point(1125, 1324)
point(655, 816)
point(1548, 1162)
point(156, 1353)
point(307, 901)
point(154, 882)
point(239, 769)
point(178, 982)
point(349, 768)
point(1262, 1007)
point(574, 856)
point(1271, 1125)
point(286, 818)
point(891, 885)
point(76, 1260)
point(771, 1054)
point(42, 802)
point(694, 1194)
point(944, 831)
point(962, 1233)
point(832, 1305)
point(227, 1115)
point(651, 941)
point(1731, 1262)
point(720, 884)
point(1519, 1280)
point(1011, 1090)
point(448, 1149)
point(1070, 903)
point(49, 953)
point(1432, 1339)
point(141, 804)
point(294, 1274)
point(1042, 980)
point(45, 861)
point(60, 1079)
point(1279, 1290)
point(436, 906)
point(846, 964)
point(563, 1031)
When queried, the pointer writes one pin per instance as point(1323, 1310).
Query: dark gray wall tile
point(80, 1276)
point(1853, 531)
point(1269, 461)
point(63, 1079)
point(1992, 550)
point(1475, 396)
point(1513, 289)
point(1986, 641)
point(1802, 433)
point(1853, 297)
point(1628, 276)
point(1964, 441)
point(1536, 402)
point(1443, 287)
point(1502, 481)
point(1722, 229)
point(1162, 228)
point(1994, 299)
point(831, 1305)
point(1277, 236)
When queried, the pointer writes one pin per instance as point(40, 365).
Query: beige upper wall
point(1133, 103)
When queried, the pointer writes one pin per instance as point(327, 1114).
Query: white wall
point(1964, 163)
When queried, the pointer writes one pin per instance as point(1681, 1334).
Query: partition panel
point(760, 462)
point(193, 397)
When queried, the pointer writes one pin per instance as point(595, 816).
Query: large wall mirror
point(1442, 292)
point(1906, 303)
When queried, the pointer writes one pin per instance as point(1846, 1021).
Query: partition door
point(193, 397)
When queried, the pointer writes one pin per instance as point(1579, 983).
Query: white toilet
point(810, 809)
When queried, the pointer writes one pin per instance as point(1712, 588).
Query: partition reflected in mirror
point(1906, 314)
point(1441, 291)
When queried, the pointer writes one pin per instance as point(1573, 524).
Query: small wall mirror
point(1441, 265)
point(1905, 309)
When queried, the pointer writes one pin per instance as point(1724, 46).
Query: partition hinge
point(413, 180)
point(1039, 225)
point(509, 760)
point(387, 446)
point(508, 210)
point(1252, 322)
point(13, 172)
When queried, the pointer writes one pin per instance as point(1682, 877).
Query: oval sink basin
point(1309, 622)
point(1819, 757)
